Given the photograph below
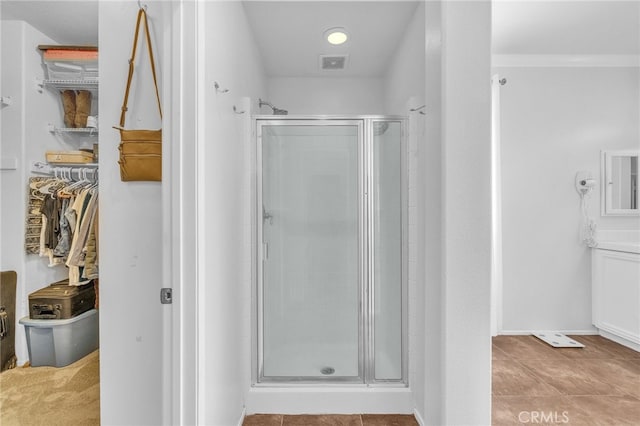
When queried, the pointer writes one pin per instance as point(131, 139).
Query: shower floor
point(309, 359)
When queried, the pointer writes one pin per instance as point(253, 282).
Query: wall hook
point(236, 110)
point(6, 100)
point(39, 85)
point(418, 109)
point(218, 89)
point(502, 81)
point(142, 6)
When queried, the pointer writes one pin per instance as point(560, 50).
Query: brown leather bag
point(140, 150)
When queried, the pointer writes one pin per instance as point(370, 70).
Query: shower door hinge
point(166, 296)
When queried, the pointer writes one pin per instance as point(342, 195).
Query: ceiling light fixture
point(336, 35)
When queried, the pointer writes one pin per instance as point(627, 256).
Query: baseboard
point(620, 340)
point(528, 332)
point(242, 416)
point(418, 417)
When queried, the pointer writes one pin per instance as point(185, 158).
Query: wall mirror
point(620, 191)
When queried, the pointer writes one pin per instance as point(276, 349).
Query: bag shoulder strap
point(141, 14)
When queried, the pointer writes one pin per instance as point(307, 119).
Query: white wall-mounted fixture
point(585, 183)
point(336, 36)
point(41, 168)
point(219, 89)
point(6, 100)
point(38, 84)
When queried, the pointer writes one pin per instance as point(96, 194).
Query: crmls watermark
point(547, 417)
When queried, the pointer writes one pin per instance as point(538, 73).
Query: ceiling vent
point(333, 62)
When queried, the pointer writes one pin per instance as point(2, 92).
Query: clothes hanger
point(75, 185)
point(94, 184)
point(86, 182)
point(50, 184)
point(63, 192)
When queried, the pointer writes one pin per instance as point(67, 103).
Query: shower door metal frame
point(366, 326)
point(370, 252)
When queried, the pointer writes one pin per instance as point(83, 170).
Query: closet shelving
point(89, 131)
point(60, 85)
point(91, 85)
point(43, 168)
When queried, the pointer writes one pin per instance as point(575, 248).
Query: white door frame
point(180, 206)
point(496, 210)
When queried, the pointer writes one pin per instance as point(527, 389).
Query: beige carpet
point(52, 396)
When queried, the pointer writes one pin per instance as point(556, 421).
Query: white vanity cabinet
point(616, 292)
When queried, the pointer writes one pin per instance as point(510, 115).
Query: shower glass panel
point(387, 211)
point(331, 250)
point(310, 196)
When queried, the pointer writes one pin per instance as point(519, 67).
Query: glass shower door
point(386, 249)
point(310, 195)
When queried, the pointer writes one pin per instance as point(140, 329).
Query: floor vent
point(558, 340)
point(333, 62)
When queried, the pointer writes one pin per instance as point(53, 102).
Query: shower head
point(276, 111)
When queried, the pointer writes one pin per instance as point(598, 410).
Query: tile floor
point(534, 383)
point(330, 420)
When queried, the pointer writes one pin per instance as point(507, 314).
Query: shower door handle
point(265, 251)
point(267, 216)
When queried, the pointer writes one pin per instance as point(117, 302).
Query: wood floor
point(330, 420)
point(534, 383)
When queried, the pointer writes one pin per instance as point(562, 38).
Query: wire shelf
point(90, 131)
point(72, 84)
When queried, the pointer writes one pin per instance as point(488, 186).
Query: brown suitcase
point(8, 281)
point(61, 301)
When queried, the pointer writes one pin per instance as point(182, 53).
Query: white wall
point(466, 212)
point(404, 88)
point(450, 344)
point(555, 122)
point(25, 138)
point(131, 231)
point(428, 379)
point(180, 200)
point(405, 76)
point(325, 96)
point(230, 57)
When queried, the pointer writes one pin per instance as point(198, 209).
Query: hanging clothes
point(33, 224)
point(85, 207)
point(64, 238)
point(91, 250)
point(62, 225)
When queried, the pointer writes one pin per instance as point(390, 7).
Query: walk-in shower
point(331, 270)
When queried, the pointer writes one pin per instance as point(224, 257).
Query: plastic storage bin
point(61, 342)
point(69, 64)
point(72, 70)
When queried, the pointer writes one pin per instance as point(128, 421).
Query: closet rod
point(47, 169)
